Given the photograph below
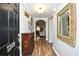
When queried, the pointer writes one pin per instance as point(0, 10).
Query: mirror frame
point(71, 39)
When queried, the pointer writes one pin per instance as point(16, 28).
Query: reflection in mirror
point(65, 24)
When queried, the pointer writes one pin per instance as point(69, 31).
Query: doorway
point(40, 30)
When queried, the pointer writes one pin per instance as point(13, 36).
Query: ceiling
point(50, 8)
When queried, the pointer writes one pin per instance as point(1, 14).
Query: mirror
point(66, 26)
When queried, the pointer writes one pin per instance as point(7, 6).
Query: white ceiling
point(50, 9)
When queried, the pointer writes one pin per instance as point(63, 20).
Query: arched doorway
point(40, 29)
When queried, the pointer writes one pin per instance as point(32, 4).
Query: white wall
point(24, 20)
point(62, 48)
point(50, 30)
point(46, 20)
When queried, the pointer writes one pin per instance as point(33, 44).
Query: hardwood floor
point(43, 48)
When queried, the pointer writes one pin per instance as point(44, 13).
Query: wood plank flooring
point(43, 48)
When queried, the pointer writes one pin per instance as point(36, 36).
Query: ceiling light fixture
point(40, 8)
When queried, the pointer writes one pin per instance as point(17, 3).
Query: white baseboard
point(56, 51)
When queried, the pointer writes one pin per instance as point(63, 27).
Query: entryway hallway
point(56, 22)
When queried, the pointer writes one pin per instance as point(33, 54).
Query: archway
point(40, 29)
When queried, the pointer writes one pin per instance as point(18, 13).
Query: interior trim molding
point(50, 41)
point(55, 51)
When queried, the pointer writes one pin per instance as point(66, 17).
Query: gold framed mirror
point(66, 24)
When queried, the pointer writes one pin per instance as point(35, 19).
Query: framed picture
point(66, 24)
point(26, 14)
